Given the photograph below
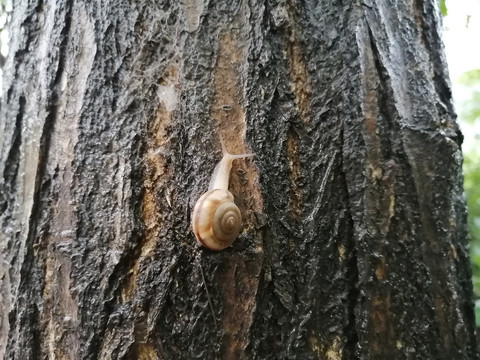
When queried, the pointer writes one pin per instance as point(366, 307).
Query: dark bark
point(354, 243)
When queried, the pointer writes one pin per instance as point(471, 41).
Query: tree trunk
point(354, 240)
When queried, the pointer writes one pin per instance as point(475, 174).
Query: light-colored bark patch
point(293, 158)
point(238, 281)
point(146, 352)
point(60, 312)
point(156, 174)
point(193, 10)
point(299, 76)
point(328, 350)
point(379, 191)
point(228, 111)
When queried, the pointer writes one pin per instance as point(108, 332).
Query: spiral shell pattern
point(216, 219)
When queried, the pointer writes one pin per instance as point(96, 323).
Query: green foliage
point(471, 168)
point(443, 7)
point(470, 109)
point(469, 113)
point(477, 314)
point(470, 78)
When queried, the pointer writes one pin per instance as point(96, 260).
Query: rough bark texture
point(354, 243)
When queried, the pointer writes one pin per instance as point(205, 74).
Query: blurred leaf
point(476, 286)
point(469, 110)
point(470, 78)
point(477, 315)
point(443, 7)
point(471, 169)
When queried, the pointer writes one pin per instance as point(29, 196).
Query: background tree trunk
point(354, 243)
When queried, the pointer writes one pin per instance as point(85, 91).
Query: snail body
point(216, 220)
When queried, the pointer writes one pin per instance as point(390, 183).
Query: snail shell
point(216, 219)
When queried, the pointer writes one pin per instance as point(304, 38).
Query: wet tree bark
point(354, 243)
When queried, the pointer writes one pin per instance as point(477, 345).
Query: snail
point(216, 220)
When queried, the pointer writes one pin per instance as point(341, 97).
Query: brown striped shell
point(216, 220)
